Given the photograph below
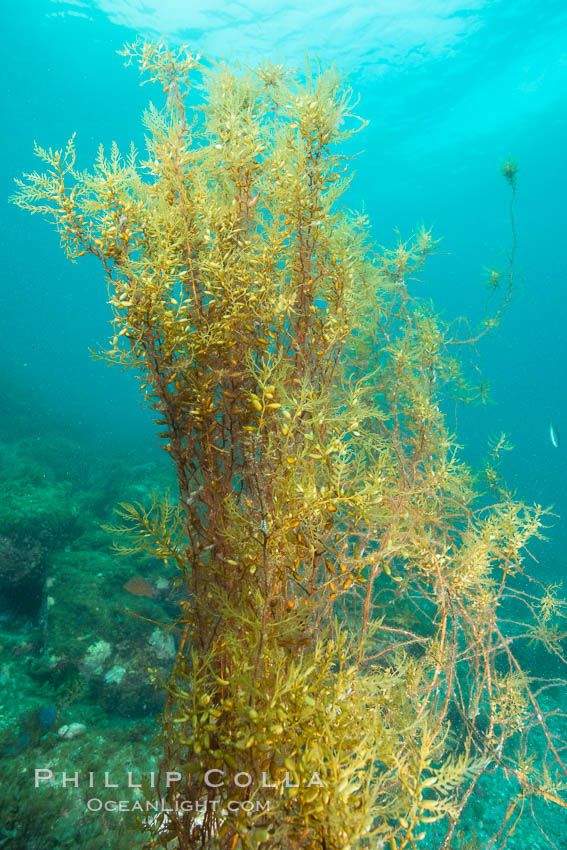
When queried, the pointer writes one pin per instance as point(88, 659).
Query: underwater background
point(450, 89)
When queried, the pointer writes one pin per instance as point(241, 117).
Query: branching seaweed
point(354, 611)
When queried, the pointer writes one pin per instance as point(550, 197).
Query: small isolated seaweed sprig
point(509, 169)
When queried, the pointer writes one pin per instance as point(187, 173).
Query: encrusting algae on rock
point(345, 588)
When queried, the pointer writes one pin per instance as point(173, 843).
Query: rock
point(22, 576)
point(72, 730)
point(96, 658)
point(115, 675)
point(162, 645)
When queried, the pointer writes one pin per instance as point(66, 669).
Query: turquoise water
point(450, 90)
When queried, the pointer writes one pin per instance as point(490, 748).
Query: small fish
point(24, 648)
point(554, 436)
point(140, 587)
